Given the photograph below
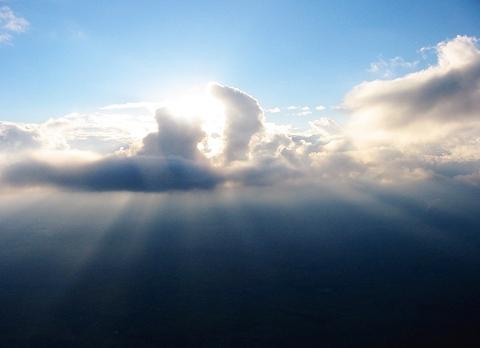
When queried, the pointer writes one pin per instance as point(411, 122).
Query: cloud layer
point(419, 126)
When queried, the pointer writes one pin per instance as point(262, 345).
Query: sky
point(249, 173)
point(78, 56)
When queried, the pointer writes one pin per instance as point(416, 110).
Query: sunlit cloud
point(274, 110)
point(415, 127)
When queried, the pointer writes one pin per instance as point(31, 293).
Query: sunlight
point(208, 111)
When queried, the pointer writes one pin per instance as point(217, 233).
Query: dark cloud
point(265, 172)
point(139, 173)
point(169, 160)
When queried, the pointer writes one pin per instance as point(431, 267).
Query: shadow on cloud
point(419, 126)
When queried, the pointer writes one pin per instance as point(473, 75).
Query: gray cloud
point(265, 172)
point(175, 137)
point(169, 160)
point(15, 138)
point(420, 126)
point(139, 173)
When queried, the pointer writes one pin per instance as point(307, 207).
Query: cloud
point(243, 119)
point(320, 108)
point(150, 106)
point(138, 173)
point(263, 172)
point(274, 110)
point(303, 113)
point(5, 38)
point(423, 122)
point(420, 126)
point(392, 67)
point(447, 92)
point(175, 137)
point(299, 110)
point(11, 24)
point(16, 138)
point(168, 160)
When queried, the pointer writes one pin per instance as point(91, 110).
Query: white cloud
point(443, 95)
point(177, 137)
point(14, 138)
point(243, 119)
point(5, 38)
point(422, 122)
point(421, 125)
point(274, 110)
point(392, 67)
point(320, 108)
point(11, 24)
point(150, 106)
point(299, 110)
point(304, 113)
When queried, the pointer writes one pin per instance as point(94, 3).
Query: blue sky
point(80, 55)
point(141, 205)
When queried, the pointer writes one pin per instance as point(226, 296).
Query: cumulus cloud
point(424, 120)
point(16, 138)
point(420, 126)
point(11, 24)
point(168, 160)
point(175, 137)
point(243, 119)
point(446, 92)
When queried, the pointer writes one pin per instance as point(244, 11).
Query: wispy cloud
point(10, 25)
point(392, 67)
point(274, 110)
point(303, 111)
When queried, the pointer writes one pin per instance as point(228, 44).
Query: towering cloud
point(422, 125)
point(243, 119)
point(168, 160)
point(175, 137)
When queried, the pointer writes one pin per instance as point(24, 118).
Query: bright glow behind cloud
point(422, 125)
